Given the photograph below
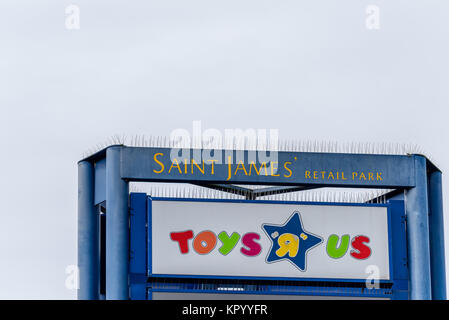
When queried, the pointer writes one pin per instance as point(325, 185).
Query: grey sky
point(311, 69)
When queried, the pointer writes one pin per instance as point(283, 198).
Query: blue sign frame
point(141, 275)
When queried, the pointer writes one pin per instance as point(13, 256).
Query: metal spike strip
point(291, 145)
point(191, 191)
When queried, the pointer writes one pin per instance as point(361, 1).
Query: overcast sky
point(311, 69)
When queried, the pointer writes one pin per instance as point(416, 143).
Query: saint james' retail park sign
point(246, 167)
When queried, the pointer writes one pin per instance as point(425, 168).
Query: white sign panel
point(269, 240)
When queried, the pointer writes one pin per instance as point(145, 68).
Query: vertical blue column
point(88, 243)
point(138, 248)
point(418, 234)
point(117, 232)
point(436, 226)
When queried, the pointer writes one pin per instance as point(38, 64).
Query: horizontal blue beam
point(226, 188)
point(288, 168)
point(278, 190)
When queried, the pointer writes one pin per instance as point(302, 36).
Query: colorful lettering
point(361, 251)
point(253, 248)
point(183, 239)
point(228, 242)
point(288, 243)
point(204, 242)
point(337, 252)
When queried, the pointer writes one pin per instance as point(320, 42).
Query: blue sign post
point(104, 178)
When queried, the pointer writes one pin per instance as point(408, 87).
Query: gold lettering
point(229, 168)
point(212, 168)
point(286, 168)
point(240, 168)
point(177, 166)
point(159, 163)
point(253, 164)
point(272, 169)
point(196, 164)
point(264, 164)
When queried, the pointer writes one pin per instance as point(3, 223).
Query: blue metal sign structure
point(103, 183)
point(246, 167)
